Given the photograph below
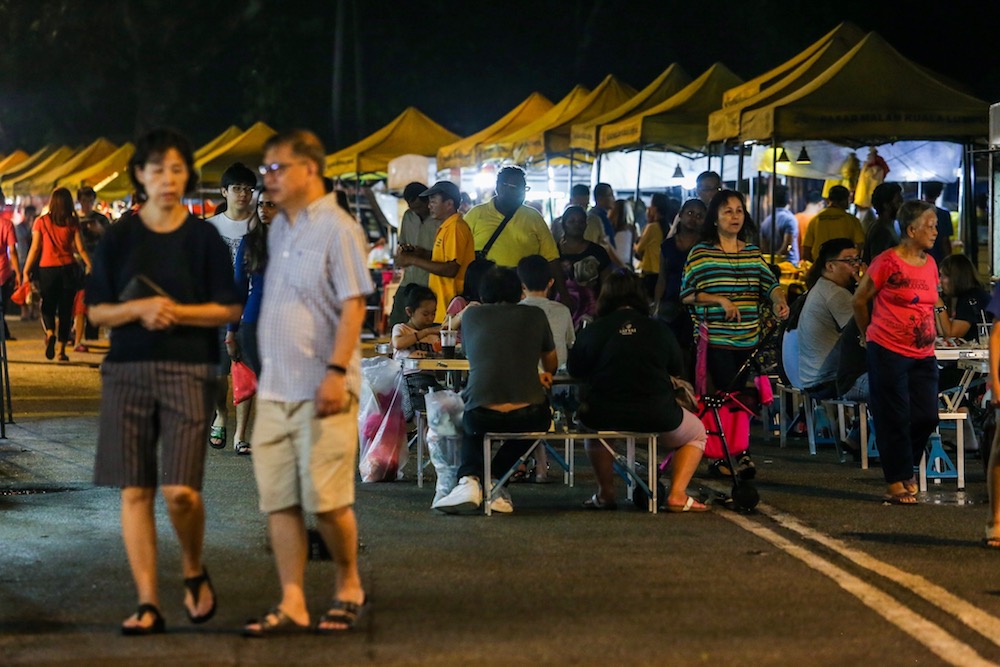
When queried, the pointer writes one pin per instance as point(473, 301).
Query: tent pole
point(722, 162)
point(966, 207)
point(638, 176)
point(598, 167)
point(773, 184)
point(739, 167)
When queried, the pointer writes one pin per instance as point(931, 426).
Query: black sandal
point(159, 626)
point(193, 586)
point(281, 625)
point(342, 612)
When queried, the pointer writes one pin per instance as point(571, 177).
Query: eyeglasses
point(515, 187)
point(241, 189)
point(266, 204)
point(276, 167)
point(853, 261)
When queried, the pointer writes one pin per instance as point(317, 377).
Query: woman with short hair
point(899, 335)
point(163, 284)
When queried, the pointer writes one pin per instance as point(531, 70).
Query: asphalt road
point(821, 574)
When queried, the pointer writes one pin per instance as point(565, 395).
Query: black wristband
point(336, 368)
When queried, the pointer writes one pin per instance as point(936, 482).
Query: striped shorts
point(145, 402)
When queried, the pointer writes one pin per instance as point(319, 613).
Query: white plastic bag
point(381, 427)
point(444, 437)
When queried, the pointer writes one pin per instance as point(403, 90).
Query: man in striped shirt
point(305, 438)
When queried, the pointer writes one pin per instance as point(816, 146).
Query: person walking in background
point(162, 284)
point(29, 311)
point(899, 336)
point(238, 183)
point(417, 230)
point(814, 204)
point(942, 246)
point(833, 222)
point(54, 238)
point(667, 295)
point(305, 435)
point(241, 337)
point(93, 224)
point(10, 268)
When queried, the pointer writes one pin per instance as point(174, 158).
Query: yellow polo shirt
point(525, 234)
point(452, 242)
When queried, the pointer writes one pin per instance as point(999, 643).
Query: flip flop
point(991, 542)
point(50, 347)
point(901, 498)
point(243, 448)
point(595, 503)
point(217, 437)
point(342, 612)
point(688, 506)
point(193, 585)
point(158, 626)
point(281, 625)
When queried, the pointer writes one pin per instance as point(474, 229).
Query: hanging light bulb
point(678, 174)
point(783, 156)
point(803, 157)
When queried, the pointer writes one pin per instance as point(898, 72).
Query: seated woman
point(415, 338)
point(503, 342)
point(964, 300)
point(628, 359)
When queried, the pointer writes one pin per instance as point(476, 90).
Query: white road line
point(982, 622)
point(946, 646)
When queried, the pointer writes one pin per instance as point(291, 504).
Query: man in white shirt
point(238, 183)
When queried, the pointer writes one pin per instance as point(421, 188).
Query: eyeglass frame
point(854, 261)
point(277, 167)
point(241, 189)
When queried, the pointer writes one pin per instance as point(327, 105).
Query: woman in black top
point(585, 264)
point(963, 307)
point(627, 359)
point(163, 283)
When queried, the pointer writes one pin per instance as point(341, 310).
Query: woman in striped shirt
point(725, 281)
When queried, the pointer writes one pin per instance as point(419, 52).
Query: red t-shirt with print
point(903, 312)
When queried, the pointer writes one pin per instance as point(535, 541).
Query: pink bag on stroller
point(735, 419)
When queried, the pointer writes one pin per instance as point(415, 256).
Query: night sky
point(71, 71)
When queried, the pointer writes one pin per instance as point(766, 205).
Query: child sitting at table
point(418, 337)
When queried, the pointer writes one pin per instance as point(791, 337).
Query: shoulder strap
point(489, 244)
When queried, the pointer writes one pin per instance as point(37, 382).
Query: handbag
point(244, 382)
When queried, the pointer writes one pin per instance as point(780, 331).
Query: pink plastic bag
point(381, 426)
point(244, 382)
point(764, 391)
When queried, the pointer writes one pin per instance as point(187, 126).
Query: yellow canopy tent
point(584, 135)
point(227, 135)
point(247, 148)
point(846, 33)
point(679, 123)
point(45, 182)
point(499, 149)
point(410, 133)
point(12, 161)
point(548, 137)
point(724, 123)
point(23, 173)
point(463, 153)
point(871, 95)
point(119, 187)
point(98, 175)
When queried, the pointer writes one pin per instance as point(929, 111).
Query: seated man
point(827, 310)
point(504, 343)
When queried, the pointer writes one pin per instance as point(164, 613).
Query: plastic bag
point(22, 294)
point(381, 426)
point(444, 436)
point(244, 382)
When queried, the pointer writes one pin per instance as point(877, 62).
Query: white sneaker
point(502, 503)
point(465, 497)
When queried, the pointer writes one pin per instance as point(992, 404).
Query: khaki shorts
point(302, 461)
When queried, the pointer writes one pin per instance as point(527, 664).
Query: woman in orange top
point(55, 237)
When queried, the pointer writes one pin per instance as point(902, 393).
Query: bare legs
point(288, 541)
point(187, 514)
point(993, 484)
point(686, 460)
point(242, 420)
point(221, 407)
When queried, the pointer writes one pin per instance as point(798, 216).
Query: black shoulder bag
point(480, 260)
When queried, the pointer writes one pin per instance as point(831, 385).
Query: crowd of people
point(624, 314)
